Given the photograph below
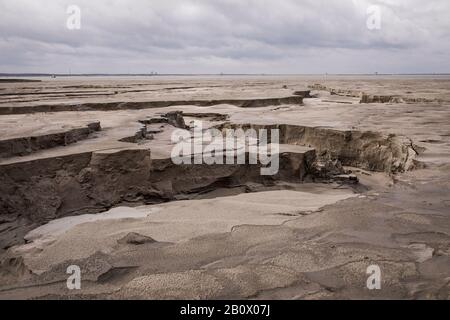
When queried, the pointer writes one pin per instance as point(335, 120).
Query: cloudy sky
point(229, 36)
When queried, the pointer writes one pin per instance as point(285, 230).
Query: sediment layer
point(367, 150)
point(26, 145)
point(111, 106)
point(370, 98)
point(44, 189)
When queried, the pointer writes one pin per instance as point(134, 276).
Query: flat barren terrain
point(87, 180)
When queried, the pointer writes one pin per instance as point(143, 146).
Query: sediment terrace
point(42, 189)
point(111, 106)
point(25, 145)
point(371, 98)
point(358, 184)
point(367, 150)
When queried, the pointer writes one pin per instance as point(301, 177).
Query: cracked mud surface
point(109, 199)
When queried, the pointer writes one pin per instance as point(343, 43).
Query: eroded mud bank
point(41, 190)
point(27, 145)
point(371, 98)
point(367, 150)
point(37, 191)
point(111, 106)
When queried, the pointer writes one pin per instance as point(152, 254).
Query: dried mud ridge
point(111, 106)
point(36, 191)
point(370, 98)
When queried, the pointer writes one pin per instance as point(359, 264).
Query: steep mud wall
point(35, 192)
point(40, 190)
point(26, 145)
point(364, 149)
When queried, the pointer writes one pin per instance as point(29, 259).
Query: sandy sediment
point(363, 180)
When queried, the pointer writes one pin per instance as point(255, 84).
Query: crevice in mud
point(18, 80)
point(141, 135)
point(211, 116)
point(26, 145)
point(175, 119)
point(303, 93)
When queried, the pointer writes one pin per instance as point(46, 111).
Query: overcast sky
point(229, 36)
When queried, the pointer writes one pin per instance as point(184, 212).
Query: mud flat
point(87, 179)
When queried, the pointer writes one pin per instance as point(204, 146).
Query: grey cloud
point(211, 36)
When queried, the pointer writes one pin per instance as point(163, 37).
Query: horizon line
point(39, 74)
